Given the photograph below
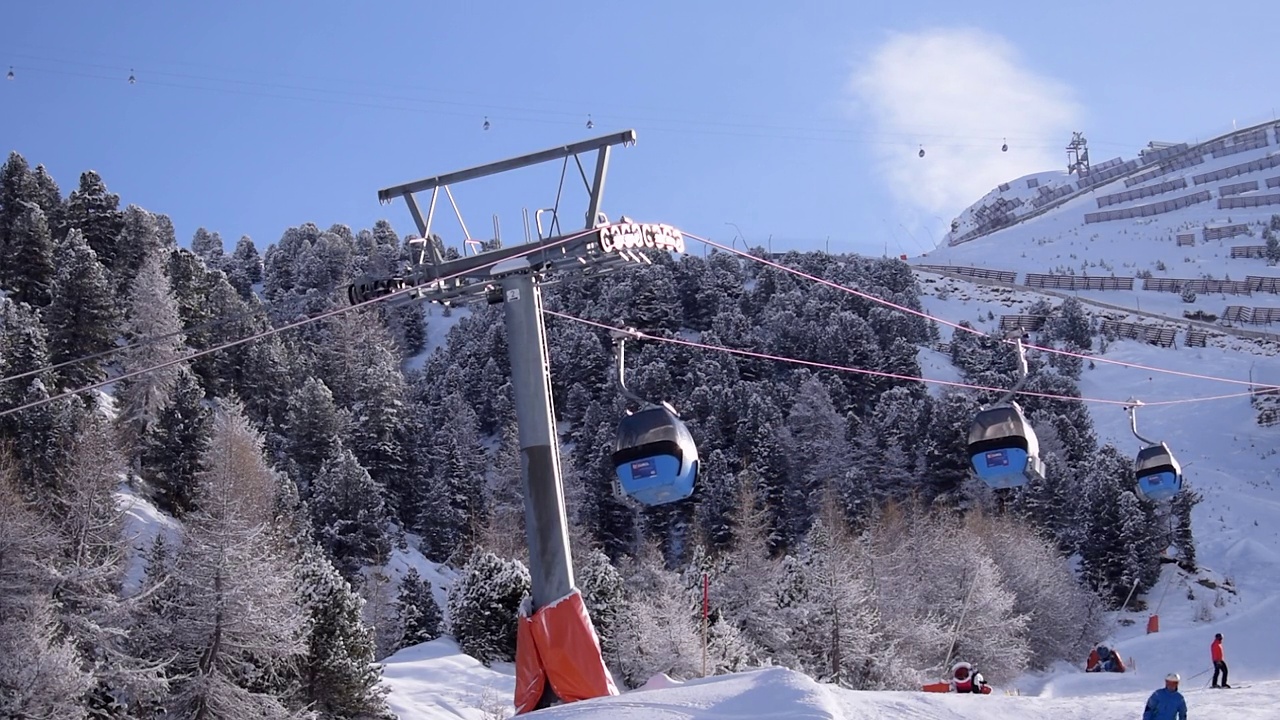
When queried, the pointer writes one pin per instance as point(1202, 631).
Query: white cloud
point(958, 92)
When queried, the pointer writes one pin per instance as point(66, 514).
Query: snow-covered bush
point(483, 604)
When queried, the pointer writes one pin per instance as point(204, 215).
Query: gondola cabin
point(654, 456)
point(1158, 473)
point(1003, 448)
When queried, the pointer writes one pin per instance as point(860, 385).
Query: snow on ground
point(440, 576)
point(435, 681)
point(438, 327)
point(143, 522)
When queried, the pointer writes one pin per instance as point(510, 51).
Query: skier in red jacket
point(1219, 664)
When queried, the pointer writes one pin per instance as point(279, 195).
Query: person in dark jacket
point(1166, 703)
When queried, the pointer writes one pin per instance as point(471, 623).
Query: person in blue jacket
point(1166, 703)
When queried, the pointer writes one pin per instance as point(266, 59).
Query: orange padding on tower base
point(559, 645)
point(1153, 624)
point(530, 679)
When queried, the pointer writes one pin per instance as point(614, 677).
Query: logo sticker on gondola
point(641, 469)
point(997, 458)
point(641, 235)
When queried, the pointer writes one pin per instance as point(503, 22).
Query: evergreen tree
point(174, 445)
point(95, 213)
point(418, 611)
point(153, 326)
point(361, 368)
point(340, 679)
point(313, 429)
point(208, 246)
point(244, 269)
point(1183, 539)
point(602, 593)
point(139, 240)
point(1120, 550)
point(42, 437)
point(27, 257)
point(483, 603)
point(349, 515)
point(23, 349)
point(17, 188)
point(1071, 325)
point(82, 316)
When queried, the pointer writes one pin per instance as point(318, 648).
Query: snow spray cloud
point(958, 92)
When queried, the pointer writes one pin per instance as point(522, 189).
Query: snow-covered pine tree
point(418, 611)
point(40, 670)
point(313, 427)
point(749, 578)
point(821, 454)
point(1071, 325)
point(82, 317)
point(27, 257)
point(49, 198)
point(174, 446)
point(1183, 539)
point(1121, 546)
point(139, 239)
point(235, 611)
point(454, 513)
point(153, 326)
point(361, 368)
point(23, 349)
point(95, 212)
point(349, 514)
point(602, 592)
point(42, 437)
point(208, 245)
point(244, 268)
point(339, 677)
point(17, 186)
point(483, 605)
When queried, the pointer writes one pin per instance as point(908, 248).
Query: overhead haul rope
point(828, 129)
point(866, 371)
point(927, 316)
point(282, 328)
point(152, 339)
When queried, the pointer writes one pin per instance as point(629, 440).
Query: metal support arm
point(1133, 420)
point(620, 350)
point(1022, 374)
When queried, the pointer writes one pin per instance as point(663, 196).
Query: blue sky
point(799, 120)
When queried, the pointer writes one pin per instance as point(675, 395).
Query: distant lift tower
point(558, 652)
point(1078, 155)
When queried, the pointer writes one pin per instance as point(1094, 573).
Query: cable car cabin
point(655, 457)
point(1003, 448)
point(1158, 473)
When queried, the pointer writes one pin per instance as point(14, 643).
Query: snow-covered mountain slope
point(1227, 456)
